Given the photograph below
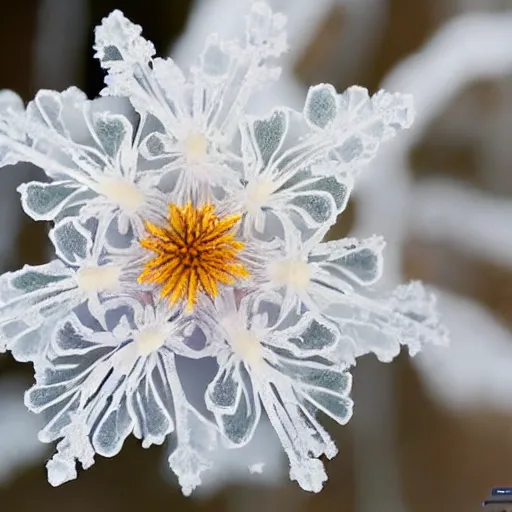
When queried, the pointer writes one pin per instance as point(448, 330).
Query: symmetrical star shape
point(186, 229)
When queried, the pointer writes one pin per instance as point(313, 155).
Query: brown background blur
point(447, 462)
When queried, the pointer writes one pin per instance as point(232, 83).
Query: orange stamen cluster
point(195, 253)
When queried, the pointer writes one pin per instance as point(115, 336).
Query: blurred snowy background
point(432, 433)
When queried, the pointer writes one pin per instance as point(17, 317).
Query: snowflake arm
point(90, 153)
point(228, 70)
point(34, 298)
point(406, 317)
point(334, 281)
point(199, 113)
point(281, 369)
point(124, 389)
point(303, 164)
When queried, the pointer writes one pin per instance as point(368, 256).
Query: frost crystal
point(187, 230)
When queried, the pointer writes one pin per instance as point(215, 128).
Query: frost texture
point(109, 353)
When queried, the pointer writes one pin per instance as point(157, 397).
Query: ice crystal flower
point(200, 113)
point(126, 385)
point(91, 156)
point(35, 297)
point(286, 368)
point(288, 157)
point(189, 232)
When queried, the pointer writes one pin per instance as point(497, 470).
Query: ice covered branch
point(475, 370)
point(471, 47)
point(447, 211)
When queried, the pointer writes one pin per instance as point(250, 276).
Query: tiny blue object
point(500, 491)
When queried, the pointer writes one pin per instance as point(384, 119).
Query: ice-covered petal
point(45, 201)
point(223, 393)
point(151, 407)
point(268, 136)
point(310, 335)
point(157, 146)
point(112, 429)
point(316, 374)
point(360, 262)
point(239, 426)
point(316, 200)
point(406, 317)
point(234, 404)
point(269, 144)
point(30, 300)
point(321, 106)
point(308, 184)
point(72, 242)
point(114, 133)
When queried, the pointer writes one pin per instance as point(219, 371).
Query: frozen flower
point(299, 167)
point(188, 232)
point(199, 113)
point(288, 370)
point(89, 153)
point(34, 298)
point(333, 281)
point(104, 385)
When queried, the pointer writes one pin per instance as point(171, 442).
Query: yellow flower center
point(195, 252)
